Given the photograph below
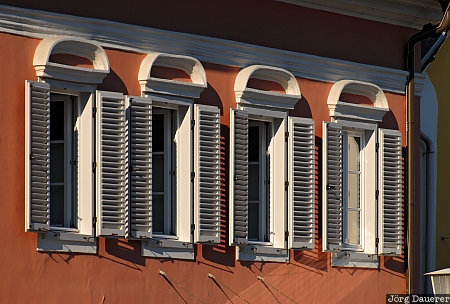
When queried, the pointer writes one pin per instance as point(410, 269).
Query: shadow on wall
point(389, 121)
point(210, 97)
point(113, 83)
point(128, 250)
point(301, 109)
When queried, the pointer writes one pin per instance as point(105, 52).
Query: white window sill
point(354, 259)
point(167, 249)
point(257, 252)
point(66, 241)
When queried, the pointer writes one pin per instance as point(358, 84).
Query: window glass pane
point(57, 162)
point(158, 173)
point(57, 205)
point(253, 144)
point(253, 221)
point(57, 118)
point(353, 227)
point(354, 146)
point(253, 182)
point(158, 132)
point(353, 190)
point(158, 213)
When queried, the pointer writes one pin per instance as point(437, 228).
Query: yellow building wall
point(438, 72)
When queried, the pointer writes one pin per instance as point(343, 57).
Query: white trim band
point(41, 24)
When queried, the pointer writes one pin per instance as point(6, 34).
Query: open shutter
point(37, 156)
point(140, 167)
point(112, 164)
point(390, 192)
point(207, 174)
point(301, 182)
point(332, 186)
point(238, 177)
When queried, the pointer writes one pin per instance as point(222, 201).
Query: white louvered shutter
point(301, 183)
point(332, 186)
point(207, 174)
point(112, 164)
point(140, 167)
point(37, 156)
point(239, 177)
point(390, 192)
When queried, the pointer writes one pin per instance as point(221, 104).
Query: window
point(185, 156)
point(353, 157)
point(63, 161)
point(164, 171)
point(271, 170)
point(59, 146)
point(362, 180)
point(258, 180)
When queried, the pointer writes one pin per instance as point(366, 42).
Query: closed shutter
point(37, 156)
point(239, 177)
point(390, 192)
point(301, 183)
point(207, 174)
point(332, 186)
point(140, 167)
point(112, 164)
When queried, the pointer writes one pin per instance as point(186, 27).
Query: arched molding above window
point(191, 66)
point(351, 111)
point(255, 97)
point(90, 50)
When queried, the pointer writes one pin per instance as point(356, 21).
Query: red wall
point(261, 22)
point(118, 274)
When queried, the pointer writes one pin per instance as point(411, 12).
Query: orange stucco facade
point(118, 273)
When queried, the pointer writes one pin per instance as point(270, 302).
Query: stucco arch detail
point(345, 110)
point(250, 96)
point(71, 46)
point(191, 66)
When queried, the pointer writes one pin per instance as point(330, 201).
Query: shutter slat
point(140, 144)
point(332, 186)
point(37, 156)
point(112, 164)
point(301, 183)
point(239, 177)
point(207, 181)
point(390, 192)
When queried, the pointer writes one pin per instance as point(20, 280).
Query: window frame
point(179, 245)
point(275, 249)
point(366, 118)
point(82, 239)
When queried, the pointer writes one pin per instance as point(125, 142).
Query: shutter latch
point(286, 185)
point(286, 235)
point(192, 176)
point(192, 228)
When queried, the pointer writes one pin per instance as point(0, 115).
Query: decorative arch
point(71, 46)
point(189, 65)
point(345, 110)
point(250, 96)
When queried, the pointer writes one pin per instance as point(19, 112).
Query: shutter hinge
point(94, 220)
point(377, 241)
point(377, 193)
point(192, 176)
point(94, 166)
point(377, 146)
point(286, 235)
point(192, 228)
point(286, 136)
point(192, 124)
point(94, 111)
point(286, 185)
